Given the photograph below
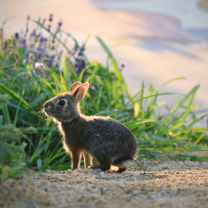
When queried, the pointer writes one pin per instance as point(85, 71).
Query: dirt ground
point(149, 183)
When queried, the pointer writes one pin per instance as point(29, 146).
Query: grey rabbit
point(109, 142)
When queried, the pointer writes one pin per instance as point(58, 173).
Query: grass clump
point(12, 154)
point(38, 64)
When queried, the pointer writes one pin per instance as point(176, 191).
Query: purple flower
point(74, 50)
point(83, 64)
point(93, 87)
point(60, 24)
point(39, 48)
point(80, 53)
point(123, 64)
point(26, 54)
point(57, 67)
point(49, 64)
point(17, 36)
point(39, 65)
point(23, 40)
point(41, 38)
point(83, 47)
point(80, 64)
point(50, 60)
point(34, 71)
point(51, 18)
point(33, 33)
point(49, 27)
point(81, 50)
point(78, 69)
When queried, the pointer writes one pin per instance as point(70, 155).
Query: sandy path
point(155, 183)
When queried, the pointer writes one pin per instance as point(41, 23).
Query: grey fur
point(108, 141)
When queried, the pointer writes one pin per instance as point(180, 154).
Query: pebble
point(54, 176)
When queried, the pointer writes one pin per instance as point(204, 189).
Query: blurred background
point(158, 40)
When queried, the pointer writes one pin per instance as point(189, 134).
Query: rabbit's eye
point(62, 102)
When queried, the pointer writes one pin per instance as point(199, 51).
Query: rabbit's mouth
point(48, 113)
point(56, 117)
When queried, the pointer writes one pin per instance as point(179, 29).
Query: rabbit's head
point(65, 107)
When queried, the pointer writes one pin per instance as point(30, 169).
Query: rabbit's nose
point(46, 105)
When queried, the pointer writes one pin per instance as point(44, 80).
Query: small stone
point(135, 193)
point(32, 205)
point(54, 176)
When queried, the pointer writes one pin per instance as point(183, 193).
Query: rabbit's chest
point(73, 137)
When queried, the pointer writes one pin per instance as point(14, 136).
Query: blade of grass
point(115, 66)
point(46, 83)
point(6, 115)
point(16, 115)
point(38, 100)
point(154, 120)
point(49, 160)
point(67, 75)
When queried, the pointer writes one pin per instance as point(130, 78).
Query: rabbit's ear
point(74, 87)
point(81, 91)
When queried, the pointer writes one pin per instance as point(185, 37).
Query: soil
point(149, 183)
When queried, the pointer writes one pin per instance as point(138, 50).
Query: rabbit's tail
point(122, 162)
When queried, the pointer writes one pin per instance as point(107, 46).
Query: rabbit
point(110, 143)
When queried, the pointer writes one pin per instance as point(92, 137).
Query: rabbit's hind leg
point(87, 159)
point(101, 155)
point(115, 169)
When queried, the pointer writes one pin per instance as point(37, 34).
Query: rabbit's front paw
point(94, 167)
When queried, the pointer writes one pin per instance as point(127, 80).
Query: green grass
point(160, 130)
